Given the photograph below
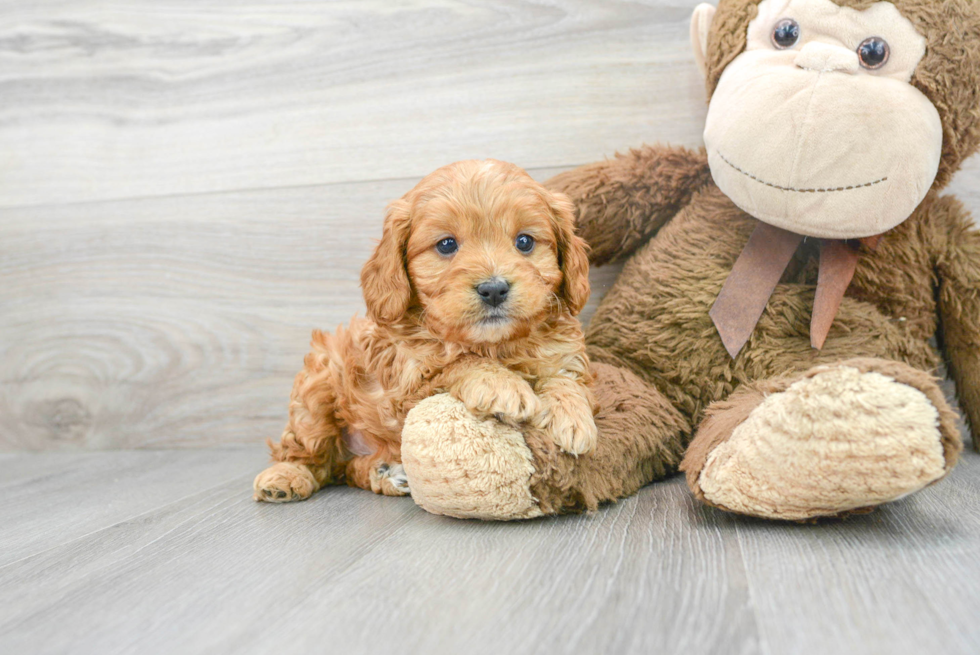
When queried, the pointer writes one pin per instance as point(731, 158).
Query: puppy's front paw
point(571, 425)
point(284, 482)
point(390, 480)
point(510, 398)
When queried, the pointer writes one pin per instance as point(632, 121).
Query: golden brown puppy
point(472, 290)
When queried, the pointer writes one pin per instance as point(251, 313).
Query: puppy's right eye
point(447, 246)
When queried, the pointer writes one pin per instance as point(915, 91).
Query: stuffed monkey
point(773, 320)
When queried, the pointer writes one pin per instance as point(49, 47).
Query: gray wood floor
point(188, 187)
point(164, 552)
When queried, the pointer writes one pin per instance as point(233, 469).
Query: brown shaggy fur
point(922, 280)
point(428, 331)
point(638, 444)
point(659, 206)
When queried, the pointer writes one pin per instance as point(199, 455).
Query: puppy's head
point(478, 252)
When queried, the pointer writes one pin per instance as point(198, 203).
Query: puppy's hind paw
point(390, 480)
point(399, 479)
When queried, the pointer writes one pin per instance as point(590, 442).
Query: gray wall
point(186, 190)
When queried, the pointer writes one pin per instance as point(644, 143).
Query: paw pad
point(284, 482)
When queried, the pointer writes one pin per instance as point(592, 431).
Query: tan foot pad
point(463, 467)
point(284, 482)
point(839, 440)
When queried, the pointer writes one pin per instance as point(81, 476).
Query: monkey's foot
point(462, 466)
point(837, 440)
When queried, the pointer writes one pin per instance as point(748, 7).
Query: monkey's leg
point(461, 466)
point(839, 438)
point(622, 202)
point(641, 439)
point(310, 453)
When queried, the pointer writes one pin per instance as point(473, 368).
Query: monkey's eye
point(873, 52)
point(786, 34)
point(524, 243)
point(447, 246)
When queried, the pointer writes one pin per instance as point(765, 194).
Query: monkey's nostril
point(493, 292)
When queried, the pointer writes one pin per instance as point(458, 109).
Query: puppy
point(472, 290)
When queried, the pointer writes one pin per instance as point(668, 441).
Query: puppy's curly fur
point(517, 354)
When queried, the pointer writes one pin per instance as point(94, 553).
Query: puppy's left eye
point(524, 243)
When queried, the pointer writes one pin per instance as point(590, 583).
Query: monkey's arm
point(958, 268)
point(623, 201)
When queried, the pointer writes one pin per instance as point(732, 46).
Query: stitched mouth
point(814, 190)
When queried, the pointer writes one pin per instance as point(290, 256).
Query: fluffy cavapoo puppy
point(473, 291)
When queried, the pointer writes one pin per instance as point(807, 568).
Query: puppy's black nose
point(493, 292)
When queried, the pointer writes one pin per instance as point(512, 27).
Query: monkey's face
point(815, 127)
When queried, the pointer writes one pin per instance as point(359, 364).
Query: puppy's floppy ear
point(573, 254)
point(384, 278)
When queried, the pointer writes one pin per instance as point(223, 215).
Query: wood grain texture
point(81, 493)
point(188, 187)
point(213, 570)
point(184, 561)
point(142, 306)
point(904, 579)
point(125, 99)
point(176, 321)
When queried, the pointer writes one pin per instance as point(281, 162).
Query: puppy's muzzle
point(493, 292)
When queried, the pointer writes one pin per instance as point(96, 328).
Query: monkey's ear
point(700, 26)
point(384, 278)
point(573, 255)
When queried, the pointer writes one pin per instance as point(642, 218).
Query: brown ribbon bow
point(757, 271)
